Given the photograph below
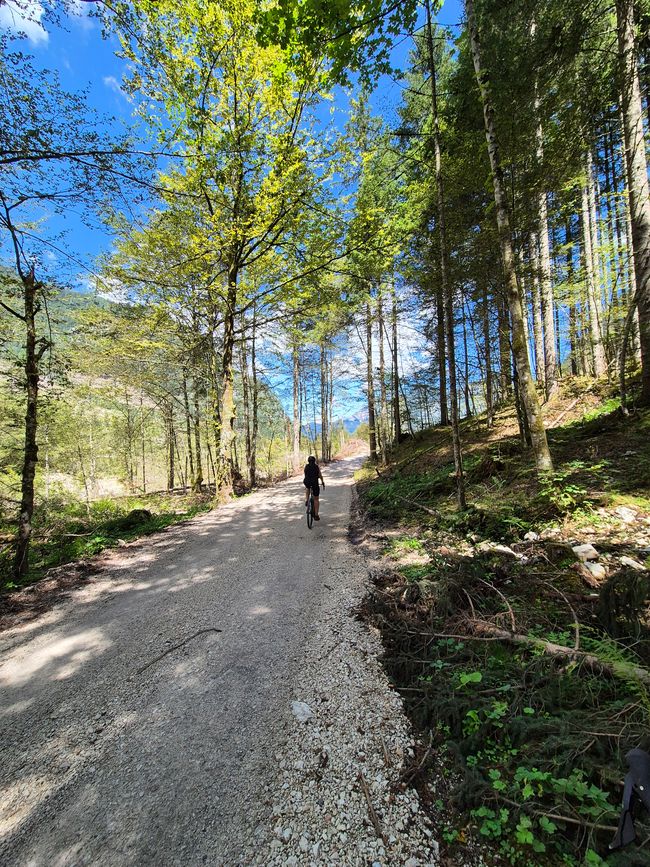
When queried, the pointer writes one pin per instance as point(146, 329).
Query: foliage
point(65, 531)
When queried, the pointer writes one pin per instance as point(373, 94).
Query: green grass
point(65, 532)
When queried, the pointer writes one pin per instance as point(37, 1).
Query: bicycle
point(310, 509)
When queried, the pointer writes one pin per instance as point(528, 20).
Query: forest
point(462, 281)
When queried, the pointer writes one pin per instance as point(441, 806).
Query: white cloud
point(24, 16)
point(81, 13)
point(113, 84)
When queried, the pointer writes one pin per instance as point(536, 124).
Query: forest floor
point(205, 695)
point(521, 655)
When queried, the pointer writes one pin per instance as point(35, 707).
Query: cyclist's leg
point(307, 490)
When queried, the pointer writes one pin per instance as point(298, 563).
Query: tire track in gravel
point(116, 752)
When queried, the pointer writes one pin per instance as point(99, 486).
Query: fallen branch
point(176, 647)
point(556, 421)
point(508, 605)
point(417, 505)
point(371, 809)
point(557, 817)
point(387, 760)
point(576, 624)
point(484, 631)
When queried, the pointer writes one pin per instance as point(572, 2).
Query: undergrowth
point(64, 532)
point(533, 742)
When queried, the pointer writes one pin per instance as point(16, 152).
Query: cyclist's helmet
point(311, 459)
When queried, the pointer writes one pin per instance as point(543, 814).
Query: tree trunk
point(550, 360)
point(188, 426)
point(171, 469)
point(324, 384)
point(638, 179)
point(243, 363)
point(383, 401)
point(198, 478)
point(442, 355)
point(34, 350)
point(527, 387)
point(370, 387)
point(296, 408)
point(143, 445)
point(467, 392)
point(538, 328)
point(252, 468)
point(573, 341)
point(597, 350)
point(397, 422)
point(330, 409)
point(447, 291)
point(489, 400)
point(228, 412)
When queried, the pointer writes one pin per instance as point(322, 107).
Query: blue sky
point(87, 61)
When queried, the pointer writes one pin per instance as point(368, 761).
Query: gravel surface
point(208, 698)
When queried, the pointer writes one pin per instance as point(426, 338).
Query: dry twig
point(576, 624)
point(509, 606)
point(371, 809)
point(176, 647)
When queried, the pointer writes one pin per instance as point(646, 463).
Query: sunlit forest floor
point(522, 661)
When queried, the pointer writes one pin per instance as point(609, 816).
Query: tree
point(519, 347)
point(637, 171)
point(52, 158)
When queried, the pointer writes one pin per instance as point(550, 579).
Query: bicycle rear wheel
point(310, 511)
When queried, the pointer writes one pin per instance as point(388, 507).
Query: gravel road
point(148, 718)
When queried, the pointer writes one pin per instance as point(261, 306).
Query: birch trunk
point(526, 385)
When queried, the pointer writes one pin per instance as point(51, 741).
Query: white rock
point(628, 516)
point(315, 849)
point(287, 834)
point(412, 862)
point(493, 548)
point(597, 570)
point(301, 711)
point(531, 536)
point(585, 552)
point(304, 844)
point(633, 564)
point(292, 861)
point(550, 533)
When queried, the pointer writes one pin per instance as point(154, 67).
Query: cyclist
point(312, 475)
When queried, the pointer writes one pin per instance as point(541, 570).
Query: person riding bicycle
point(312, 475)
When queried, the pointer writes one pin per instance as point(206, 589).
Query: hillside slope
point(522, 657)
